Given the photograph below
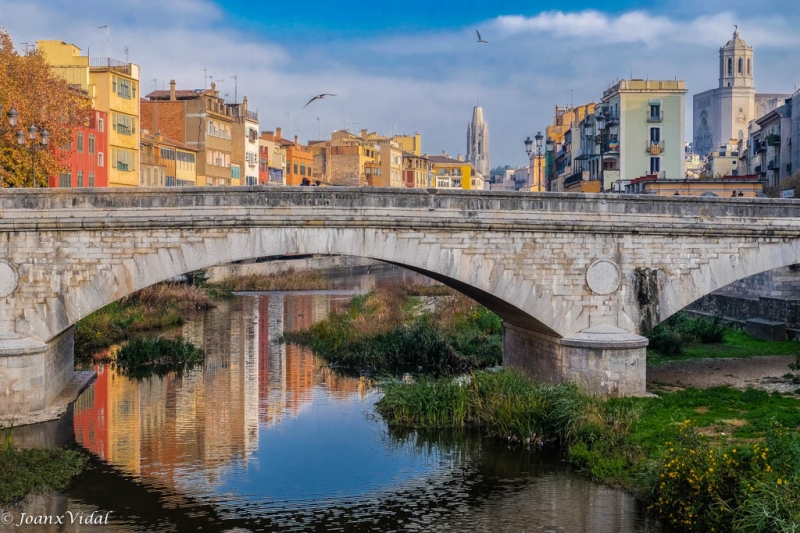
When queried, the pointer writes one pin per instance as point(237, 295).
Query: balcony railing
point(760, 146)
point(574, 178)
point(125, 130)
point(98, 63)
point(758, 169)
point(655, 148)
point(655, 118)
point(125, 167)
point(772, 165)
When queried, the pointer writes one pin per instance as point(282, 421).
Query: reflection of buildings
point(186, 430)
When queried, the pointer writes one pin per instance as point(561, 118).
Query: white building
point(724, 113)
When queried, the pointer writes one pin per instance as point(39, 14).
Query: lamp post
point(13, 116)
point(537, 154)
point(34, 146)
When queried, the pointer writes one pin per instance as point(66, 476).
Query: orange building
point(299, 159)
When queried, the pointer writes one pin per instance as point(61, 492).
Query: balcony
point(772, 165)
point(655, 148)
point(106, 63)
point(574, 178)
point(123, 166)
point(773, 140)
point(759, 169)
point(655, 117)
point(124, 130)
point(759, 146)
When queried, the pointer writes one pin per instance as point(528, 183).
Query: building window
point(123, 124)
point(100, 125)
point(235, 172)
point(741, 66)
point(730, 67)
point(80, 142)
point(251, 180)
point(170, 181)
point(302, 169)
point(124, 88)
point(655, 165)
point(99, 159)
point(80, 178)
point(123, 160)
point(748, 67)
point(295, 167)
point(65, 179)
point(655, 135)
point(91, 143)
point(655, 112)
point(91, 179)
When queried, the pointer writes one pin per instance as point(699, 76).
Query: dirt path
point(759, 372)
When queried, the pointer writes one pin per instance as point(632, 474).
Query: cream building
point(645, 125)
point(724, 113)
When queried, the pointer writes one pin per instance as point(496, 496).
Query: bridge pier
point(37, 379)
point(605, 360)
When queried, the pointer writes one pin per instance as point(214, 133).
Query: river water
point(262, 437)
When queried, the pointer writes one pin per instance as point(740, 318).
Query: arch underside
point(679, 291)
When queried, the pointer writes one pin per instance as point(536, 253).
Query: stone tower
point(478, 142)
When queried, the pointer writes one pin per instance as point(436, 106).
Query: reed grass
point(286, 281)
point(144, 356)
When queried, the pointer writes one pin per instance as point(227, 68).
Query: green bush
point(144, 356)
point(671, 336)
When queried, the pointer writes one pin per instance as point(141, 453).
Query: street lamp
point(536, 155)
point(13, 116)
point(34, 145)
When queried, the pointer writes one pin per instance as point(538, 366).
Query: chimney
point(172, 90)
point(444, 154)
point(214, 88)
point(278, 133)
point(364, 133)
point(296, 144)
point(460, 157)
point(244, 104)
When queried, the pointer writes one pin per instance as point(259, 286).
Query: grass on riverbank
point(154, 307)
point(24, 472)
point(680, 338)
point(717, 458)
point(287, 281)
point(387, 331)
point(145, 356)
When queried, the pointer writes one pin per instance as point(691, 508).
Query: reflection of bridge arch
point(524, 256)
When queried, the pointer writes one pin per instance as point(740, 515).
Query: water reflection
point(264, 438)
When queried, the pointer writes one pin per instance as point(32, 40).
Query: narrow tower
point(478, 142)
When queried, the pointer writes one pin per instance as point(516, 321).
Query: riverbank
point(717, 458)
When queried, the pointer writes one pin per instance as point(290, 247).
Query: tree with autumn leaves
point(43, 99)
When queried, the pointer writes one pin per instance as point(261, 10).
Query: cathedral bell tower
point(736, 63)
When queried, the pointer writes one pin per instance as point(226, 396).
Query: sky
point(415, 66)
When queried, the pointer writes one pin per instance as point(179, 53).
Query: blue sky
point(414, 66)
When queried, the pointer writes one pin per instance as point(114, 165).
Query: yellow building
point(451, 173)
point(558, 164)
point(411, 144)
point(167, 163)
point(114, 88)
point(726, 187)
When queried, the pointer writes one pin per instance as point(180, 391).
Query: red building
point(263, 165)
point(85, 158)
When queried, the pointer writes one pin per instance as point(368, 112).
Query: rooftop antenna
point(108, 38)
point(26, 47)
point(155, 84)
point(235, 88)
point(319, 129)
point(205, 78)
point(127, 50)
point(570, 97)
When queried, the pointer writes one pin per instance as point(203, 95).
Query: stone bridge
point(576, 278)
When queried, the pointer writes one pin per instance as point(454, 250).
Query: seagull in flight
point(318, 97)
point(480, 39)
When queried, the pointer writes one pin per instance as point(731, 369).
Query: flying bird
point(480, 39)
point(318, 97)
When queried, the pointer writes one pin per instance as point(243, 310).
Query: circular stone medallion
point(603, 276)
point(8, 279)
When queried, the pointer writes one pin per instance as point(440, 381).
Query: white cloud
point(653, 30)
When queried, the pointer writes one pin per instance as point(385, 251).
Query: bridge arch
point(512, 297)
